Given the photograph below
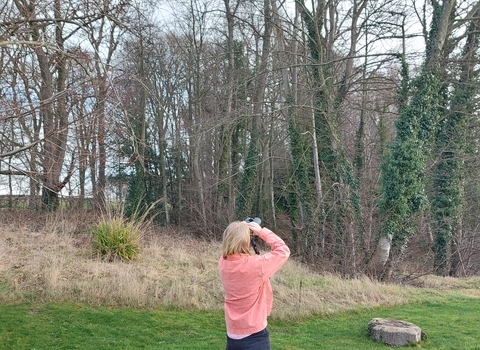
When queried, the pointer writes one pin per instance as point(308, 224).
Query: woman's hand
point(254, 227)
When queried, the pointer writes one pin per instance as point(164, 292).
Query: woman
point(246, 283)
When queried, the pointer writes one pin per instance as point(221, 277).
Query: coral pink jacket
point(246, 283)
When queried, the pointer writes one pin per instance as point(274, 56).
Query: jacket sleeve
point(273, 260)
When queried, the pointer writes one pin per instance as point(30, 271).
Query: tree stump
point(394, 332)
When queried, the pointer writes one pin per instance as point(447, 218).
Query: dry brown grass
point(49, 258)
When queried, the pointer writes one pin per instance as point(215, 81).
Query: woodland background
point(350, 127)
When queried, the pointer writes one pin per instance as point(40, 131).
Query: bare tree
point(49, 34)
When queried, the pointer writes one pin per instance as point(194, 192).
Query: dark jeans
point(255, 341)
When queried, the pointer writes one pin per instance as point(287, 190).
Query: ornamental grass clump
point(117, 238)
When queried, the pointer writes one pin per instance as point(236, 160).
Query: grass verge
point(55, 294)
point(450, 323)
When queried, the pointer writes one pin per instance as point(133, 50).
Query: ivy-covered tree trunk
point(251, 186)
point(451, 143)
point(231, 134)
point(136, 202)
point(403, 169)
point(302, 192)
point(228, 134)
point(336, 169)
point(248, 182)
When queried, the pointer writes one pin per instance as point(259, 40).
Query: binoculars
point(252, 239)
point(257, 220)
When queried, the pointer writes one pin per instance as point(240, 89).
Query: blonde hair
point(236, 239)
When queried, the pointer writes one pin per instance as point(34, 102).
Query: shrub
point(117, 238)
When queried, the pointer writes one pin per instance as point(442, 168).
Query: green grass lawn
point(450, 323)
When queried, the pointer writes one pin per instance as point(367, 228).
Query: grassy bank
point(56, 294)
point(54, 262)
